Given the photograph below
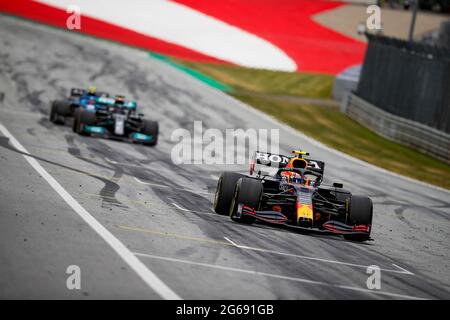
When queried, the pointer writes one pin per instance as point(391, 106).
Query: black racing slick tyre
point(151, 128)
point(64, 108)
point(85, 117)
point(247, 192)
point(55, 115)
point(224, 192)
point(361, 212)
point(75, 119)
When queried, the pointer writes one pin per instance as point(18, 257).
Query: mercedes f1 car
point(62, 109)
point(118, 120)
point(292, 196)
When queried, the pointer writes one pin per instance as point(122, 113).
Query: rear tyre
point(64, 110)
point(361, 212)
point(85, 118)
point(151, 128)
point(247, 192)
point(55, 116)
point(224, 192)
point(76, 115)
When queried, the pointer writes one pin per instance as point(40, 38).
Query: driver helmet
point(91, 90)
point(294, 177)
point(120, 99)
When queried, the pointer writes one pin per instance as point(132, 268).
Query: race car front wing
point(276, 218)
point(134, 136)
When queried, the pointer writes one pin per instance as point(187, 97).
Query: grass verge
point(307, 85)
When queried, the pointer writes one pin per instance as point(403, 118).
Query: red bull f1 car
point(287, 191)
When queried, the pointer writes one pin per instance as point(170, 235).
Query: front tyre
point(225, 191)
point(151, 128)
point(55, 116)
point(361, 212)
point(247, 192)
point(75, 119)
point(85, 118)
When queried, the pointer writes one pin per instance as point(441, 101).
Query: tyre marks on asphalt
point(163, 177)
point(28, 96)
point(149, 278)
point(111, 187)
point(45, 123)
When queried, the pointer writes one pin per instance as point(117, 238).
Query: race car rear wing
point(75, 92)
point(280, 161)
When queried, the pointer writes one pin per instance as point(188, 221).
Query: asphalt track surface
point(139, 226)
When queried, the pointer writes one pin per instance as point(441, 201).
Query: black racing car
point(293, 197)
point(119, 120)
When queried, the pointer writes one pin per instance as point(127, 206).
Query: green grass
point(240, 79)
point(326, 124)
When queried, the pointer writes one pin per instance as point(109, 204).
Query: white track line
point(276, 276)
point(146, 274)
point(121, 164)
point(187, 210)
point(179, 207)
point(131, 165)
point(404, 270)
point(150, 184)
point(111, 161)
point(401, 271)
point(234, 244)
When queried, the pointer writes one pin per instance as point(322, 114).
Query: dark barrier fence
point(410, 80)
point(408, 132)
